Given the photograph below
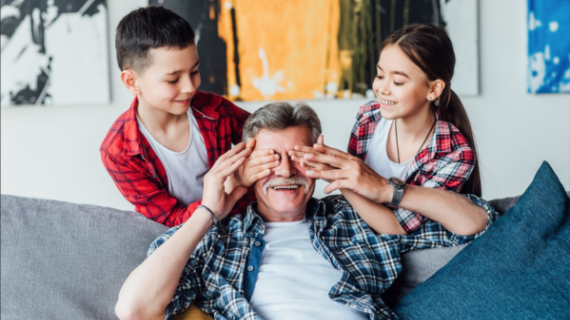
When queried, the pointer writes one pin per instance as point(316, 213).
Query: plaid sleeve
point(432, 234)
point(144, 192)
point(449, 172)
point(190, 284)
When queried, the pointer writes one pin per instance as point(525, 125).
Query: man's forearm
point(151, 286)
point(453, 211)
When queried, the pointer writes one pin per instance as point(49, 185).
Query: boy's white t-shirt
point(294, 279)
point(377, 157)
point(185, 170)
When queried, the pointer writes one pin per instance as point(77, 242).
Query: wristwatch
point(399, 187)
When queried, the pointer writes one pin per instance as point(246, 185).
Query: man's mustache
point(286, 181)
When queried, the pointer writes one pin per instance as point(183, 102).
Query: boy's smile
point(169, 83)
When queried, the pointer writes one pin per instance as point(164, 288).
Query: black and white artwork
point(54, 52)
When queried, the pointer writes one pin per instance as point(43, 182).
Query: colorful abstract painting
point(54, 52)
point(298, 49)
point(549, 46)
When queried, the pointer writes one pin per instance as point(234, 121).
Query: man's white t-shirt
point(185, 170)
point(377, 157)
point(294, 279)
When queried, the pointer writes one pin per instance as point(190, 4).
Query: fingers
point(321, 140)
point(250, 144)
point(330, 175)
point(231, 168)
point(260, 175)
point(261, 159)
point(315, 165)
point(226, 160)
point(335, 185)
point(297, 156)
point(330, 159)
point(305, 149)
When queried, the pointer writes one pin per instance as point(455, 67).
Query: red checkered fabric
point(445, 163)
point(140, 175)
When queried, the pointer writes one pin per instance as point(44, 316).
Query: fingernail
point(309, 172)
point(276, 156)
point(271, 151)
point(276, 162)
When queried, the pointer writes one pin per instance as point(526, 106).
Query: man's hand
point(257, 166)
point(343, 171)
point(215, 197)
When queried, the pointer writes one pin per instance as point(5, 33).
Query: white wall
point(52, 152)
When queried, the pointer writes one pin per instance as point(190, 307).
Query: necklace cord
point(396, 131)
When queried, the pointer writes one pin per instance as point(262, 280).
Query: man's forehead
point(283, 140)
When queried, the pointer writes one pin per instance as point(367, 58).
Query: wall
point(52, 152)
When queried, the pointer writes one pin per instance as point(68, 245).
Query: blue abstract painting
point(549, 46)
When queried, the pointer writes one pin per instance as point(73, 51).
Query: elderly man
point(289, 256)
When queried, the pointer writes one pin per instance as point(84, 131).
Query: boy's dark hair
point(147, 28)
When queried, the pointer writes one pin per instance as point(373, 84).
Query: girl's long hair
point(430, 48)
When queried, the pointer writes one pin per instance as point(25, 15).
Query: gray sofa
point(68, 261)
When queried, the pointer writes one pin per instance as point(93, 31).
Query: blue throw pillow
point(518, 269)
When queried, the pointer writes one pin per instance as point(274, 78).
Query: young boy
point(159, 150)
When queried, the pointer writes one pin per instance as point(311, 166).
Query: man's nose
point(285, 168)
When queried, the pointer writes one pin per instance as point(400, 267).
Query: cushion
point(518, 269)
point(67, 261)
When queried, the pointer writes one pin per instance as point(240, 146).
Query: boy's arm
point(145, 192)
point(151, 287)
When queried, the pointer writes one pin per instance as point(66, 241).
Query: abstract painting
point(54, 52)
point(549, 46)
point(318, 49)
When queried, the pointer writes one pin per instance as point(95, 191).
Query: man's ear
point(436, 88)
point(128, 77)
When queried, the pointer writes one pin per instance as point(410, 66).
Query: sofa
point(68, 261)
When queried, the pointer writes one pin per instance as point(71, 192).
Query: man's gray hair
point(279, 116)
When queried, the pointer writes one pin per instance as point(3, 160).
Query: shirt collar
point(370, 113)
point(132, 144)
point(203, 103)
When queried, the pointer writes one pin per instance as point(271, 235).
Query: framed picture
point(54, 52)
point(549, 46)
point(318, 49)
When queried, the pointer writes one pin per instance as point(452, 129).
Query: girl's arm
point(377, 216)
point(455, 212)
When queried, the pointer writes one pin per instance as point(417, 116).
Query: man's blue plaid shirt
point(221, 273)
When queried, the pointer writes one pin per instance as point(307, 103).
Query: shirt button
point(257, 244)
point(250, 268)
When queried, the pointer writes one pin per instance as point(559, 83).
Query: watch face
point(397, 181)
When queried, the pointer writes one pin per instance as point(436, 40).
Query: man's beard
point(286, 181)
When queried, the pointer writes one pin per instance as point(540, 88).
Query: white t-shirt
point(185, 170)
point(294, 279)
point(377, 157)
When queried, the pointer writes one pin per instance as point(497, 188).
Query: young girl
point(416, 134)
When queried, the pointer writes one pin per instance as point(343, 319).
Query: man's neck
point(269, 215)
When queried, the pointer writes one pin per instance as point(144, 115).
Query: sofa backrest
point(67, 261)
